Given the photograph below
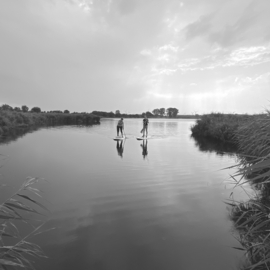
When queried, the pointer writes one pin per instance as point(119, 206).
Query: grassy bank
point(250, 134)
point(10, 120)
point(220, 127)
point(252, 218)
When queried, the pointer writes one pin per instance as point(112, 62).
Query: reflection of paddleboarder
point(120, 148)
point(144, 148)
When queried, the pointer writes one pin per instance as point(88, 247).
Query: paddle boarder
point(145, 126)
point(120, 126)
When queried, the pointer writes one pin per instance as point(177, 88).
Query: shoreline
point(11, 120)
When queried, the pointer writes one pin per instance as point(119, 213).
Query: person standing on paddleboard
point(145, 126)
point(120, 126)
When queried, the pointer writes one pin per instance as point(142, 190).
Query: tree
point(36, 110)
point(162, 111)
point(66, 111)
point(6, 107)
point(25, 108)
point(148, 114)
point(57, 111)
point(172, 112)
point(17, 109)
point(156, 112)
point(117, 112)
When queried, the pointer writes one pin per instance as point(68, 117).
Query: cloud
point(199, 28)
point(101, 54)
point(168, 47)
point(242, 57)
point(249, 25)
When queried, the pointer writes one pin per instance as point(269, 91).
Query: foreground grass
point(11, 119)
point(252, 218)
point(13, 211)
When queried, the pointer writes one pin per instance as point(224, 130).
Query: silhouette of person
point(120, 148)
point(120, 127)
point(144, 148)
point(144, 130)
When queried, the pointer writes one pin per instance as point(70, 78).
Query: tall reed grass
point(10, 120)
point(219, 127)
point(252, 218)
point(20, 251)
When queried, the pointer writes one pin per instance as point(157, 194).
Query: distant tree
point(6, 107)
point(172, 112)
point(117, 112)
point(36, 110)
point(66, 111)
point(162, 111)
point(156, 112)
point(17, 109)
point(57, 111)
point(148, 114)
point(25, 108)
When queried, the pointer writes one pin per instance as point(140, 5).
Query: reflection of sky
point(117, 213)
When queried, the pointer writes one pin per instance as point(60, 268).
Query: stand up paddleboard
point(143, 138)
point(119, 138)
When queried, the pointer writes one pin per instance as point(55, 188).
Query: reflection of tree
point(16, 133)
point(120, 148)
point(144, 148)
point(208, 145)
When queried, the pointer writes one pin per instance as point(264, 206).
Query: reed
point(252, 218)
point(12, 212)
point(10, 120)
point(219, 127)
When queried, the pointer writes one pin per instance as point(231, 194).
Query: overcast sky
point(199, 56)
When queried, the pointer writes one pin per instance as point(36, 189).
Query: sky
point(199, 56)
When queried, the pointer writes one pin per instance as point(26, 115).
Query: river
point(155, 205)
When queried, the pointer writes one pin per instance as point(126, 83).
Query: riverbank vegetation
point(13, 118)
point(252, 218)
point(249, 135)
point(20, 208)
point(223, 127)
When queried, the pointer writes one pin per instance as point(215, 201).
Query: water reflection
point(158, 125)
point(144, 148)
point(167, 213)
point(208, 145)
point(14, 134)
point(120, 147)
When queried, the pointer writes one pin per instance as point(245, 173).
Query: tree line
point(158, 112)
point(24, 108)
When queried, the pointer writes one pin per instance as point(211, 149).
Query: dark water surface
point(137, 207)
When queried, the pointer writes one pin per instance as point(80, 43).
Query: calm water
point(137, 206)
